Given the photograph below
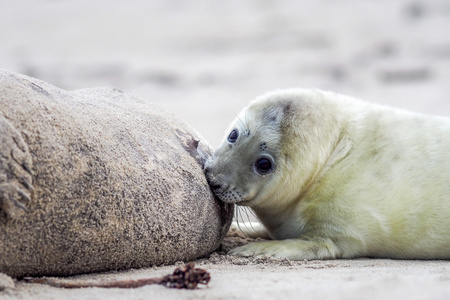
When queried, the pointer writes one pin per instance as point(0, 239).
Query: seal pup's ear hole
point(276, 113)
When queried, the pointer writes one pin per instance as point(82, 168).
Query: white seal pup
point(330, 177)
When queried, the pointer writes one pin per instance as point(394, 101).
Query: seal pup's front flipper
point(293, 249)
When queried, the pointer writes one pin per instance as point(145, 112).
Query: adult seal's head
point(260, 158)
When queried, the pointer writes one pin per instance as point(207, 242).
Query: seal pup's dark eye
point(263, 166)
point(233, 136)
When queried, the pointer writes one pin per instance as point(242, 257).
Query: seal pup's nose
point(213, 183)
point(215, 186)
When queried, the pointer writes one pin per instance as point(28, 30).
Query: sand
point(268, 278)
point(204, 61)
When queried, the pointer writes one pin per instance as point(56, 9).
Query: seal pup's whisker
point(252, 213)
point(237, 218)
point(246, 224)
point(246, 213)
point(246, 123)
point(247, 210)
point(242, 125)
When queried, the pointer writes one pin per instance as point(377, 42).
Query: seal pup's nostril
point(215, 186)
point(212, 182)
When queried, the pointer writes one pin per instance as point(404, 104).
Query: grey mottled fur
point(94, 180)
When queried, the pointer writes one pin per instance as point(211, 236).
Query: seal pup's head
point(247, 160)
point(274, 148)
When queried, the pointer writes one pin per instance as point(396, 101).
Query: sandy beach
point(268, 278)
point(204, 61)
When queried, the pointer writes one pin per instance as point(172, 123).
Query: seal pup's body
point(333, 177)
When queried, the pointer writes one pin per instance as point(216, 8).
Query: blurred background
point(205, 60)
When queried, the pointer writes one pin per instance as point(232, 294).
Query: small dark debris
point(187, 277)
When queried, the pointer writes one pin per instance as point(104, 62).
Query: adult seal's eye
point(233, 136)
point(263, 166)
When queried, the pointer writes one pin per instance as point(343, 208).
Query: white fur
point(351, 178)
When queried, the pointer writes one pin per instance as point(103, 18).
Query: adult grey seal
point(95, 180)
point(330, 176)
